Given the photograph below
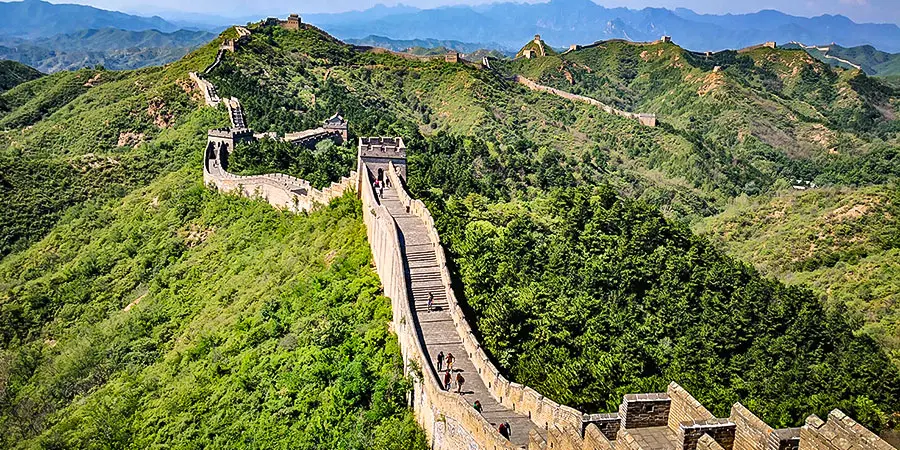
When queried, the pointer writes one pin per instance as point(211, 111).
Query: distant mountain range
point(55, 37)
point(112, 48)
point(400, 45)
point(35, 19)
point(565, 22)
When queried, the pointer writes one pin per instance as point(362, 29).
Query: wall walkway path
point(437, 328)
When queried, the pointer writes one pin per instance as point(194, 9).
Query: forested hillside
point(13, 74)
point(566, 227)
point(140, 309)
point(844, 243)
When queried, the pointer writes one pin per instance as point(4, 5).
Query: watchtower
point(376, 154)
point(451, 57)
point(537, 39)
point(337, 124)
point(293, 22)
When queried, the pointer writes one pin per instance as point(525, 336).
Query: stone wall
point(542, 411)
point(644, 410)
point(448, 421)
point(608, 423)
point(210, 95)
point(685, 408)
point(838, 433)
point(721, 430)
point(751, 433)
point(708, 443)
point(644, 119)
point(279, 190)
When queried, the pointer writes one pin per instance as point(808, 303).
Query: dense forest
point(568, 230)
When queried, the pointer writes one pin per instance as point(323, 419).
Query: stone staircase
point(436, 326)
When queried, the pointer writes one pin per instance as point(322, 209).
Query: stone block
point(644, 410)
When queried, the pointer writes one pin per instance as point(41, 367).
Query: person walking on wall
point(430, 301)
point(440, 361)
point(478, 407)
point(459, 382)
point(447, 380)
point(381, 190)
point(503, 429)
point(450, 360)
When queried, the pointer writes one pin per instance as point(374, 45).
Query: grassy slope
point(780, 112)
point(248, 327)
point(178, 316)
point(60, 140)
point(844, 243)
point(13, 74)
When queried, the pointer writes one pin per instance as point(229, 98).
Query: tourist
point(478, 407)
point(450, 360)
point(459, 382)
point(440, 361)
point(381, 190)
point(430, 301)
point(447, 380)
point(504, 430)
point(387, 181)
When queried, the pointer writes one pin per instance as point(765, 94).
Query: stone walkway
point(437, 326)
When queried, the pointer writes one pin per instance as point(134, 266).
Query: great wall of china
point(824, 51)
point(644, 119)
point(412, 265)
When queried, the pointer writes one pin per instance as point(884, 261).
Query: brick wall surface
point(721, 430)
point(751, 432)
point(685, 408)
point(607, 424)
point(838, 433)
point(644, 410)
point(708, 443)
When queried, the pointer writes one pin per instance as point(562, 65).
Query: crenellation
point(783, 439)
point(644, 410)
point(720, 430)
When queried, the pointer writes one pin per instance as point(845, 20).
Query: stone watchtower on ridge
point(292, 23)
point(376, 154)
point(337, 124)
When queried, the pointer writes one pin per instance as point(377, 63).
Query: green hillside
point(179, 317)
point(565, 226)
point(13, 73)
point(844, 243)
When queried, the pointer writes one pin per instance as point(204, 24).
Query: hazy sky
point(858, 10)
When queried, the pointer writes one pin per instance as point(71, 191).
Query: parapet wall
point(542, 411)
point(280, 190)
point(684, 408)
point(838, 433)
point(210, 96)
point(449, 422)
point(645, 119)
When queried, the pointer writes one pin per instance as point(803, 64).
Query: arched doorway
point(380, 174)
